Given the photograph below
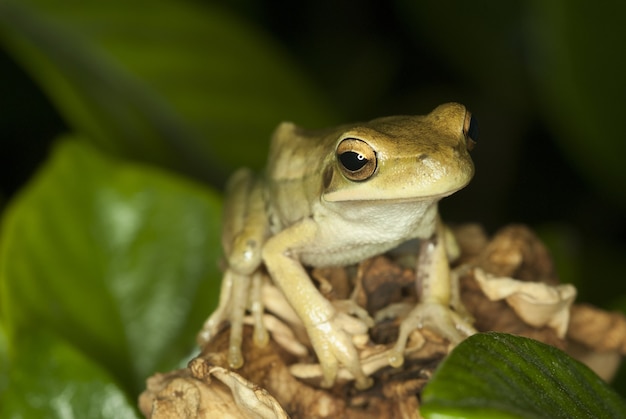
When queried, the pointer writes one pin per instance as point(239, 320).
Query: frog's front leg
point(325, 327)
point(437, 301)
point(244, 232)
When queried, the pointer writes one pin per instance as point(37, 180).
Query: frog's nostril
point(422, 157)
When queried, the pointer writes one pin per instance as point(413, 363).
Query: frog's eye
point(357, 159)
point(470, 130)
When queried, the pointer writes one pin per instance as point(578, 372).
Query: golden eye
point(357, 159)
point(470, 130)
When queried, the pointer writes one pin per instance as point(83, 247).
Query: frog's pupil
point(472, 131)
point(352, 161)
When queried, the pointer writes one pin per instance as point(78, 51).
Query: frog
point(335, 197)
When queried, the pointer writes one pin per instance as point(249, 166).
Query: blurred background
point(196, 87)
point(545, 80)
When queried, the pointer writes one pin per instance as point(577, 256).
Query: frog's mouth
point(399, 195)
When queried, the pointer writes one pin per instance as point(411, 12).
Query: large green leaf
point(119, 259)
point(495, 375)
point(177, 82)
point(48, 378)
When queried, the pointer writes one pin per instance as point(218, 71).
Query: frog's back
point(297, 153)
point(295, 171)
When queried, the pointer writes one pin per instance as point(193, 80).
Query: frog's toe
point(362, 381)
point(333, 347)
point(351, 308)
point(330, 366)
point(257, 308)
point(211, 328)
point(235, 357)
point(260, 337)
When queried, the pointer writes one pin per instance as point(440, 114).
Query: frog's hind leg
point(257, 308)
point(216, 320)
point(238, 293)
point(439, 308)
point(239, 303)
point(244, 232)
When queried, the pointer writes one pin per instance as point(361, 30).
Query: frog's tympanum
point(335, 197)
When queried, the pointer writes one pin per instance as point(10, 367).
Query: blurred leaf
point(581, 84)
point(4, 358)
point(119, 259)
point(495, 375)
point(48, 378)
point(175, 82)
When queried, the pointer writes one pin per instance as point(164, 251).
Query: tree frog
point(334, 197)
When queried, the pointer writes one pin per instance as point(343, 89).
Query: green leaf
point(177, 82)
point(495, 375)
point(4, 359)
point(119, 259)
point(48, 378)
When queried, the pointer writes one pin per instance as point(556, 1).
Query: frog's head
point(403, 157)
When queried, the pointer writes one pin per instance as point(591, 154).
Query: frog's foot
point(236, 295)
point(216, 322)
point(433, 316)
point(332, 342)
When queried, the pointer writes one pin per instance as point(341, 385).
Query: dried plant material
point(179, 395)
point(598, 339)
point(267, 368)
point(514, 252)
point(598, 329)
point(207, 391)
point(471, 239)
point(537, 303)
point(383, 283)
point(514, 266)
point(252, 400)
